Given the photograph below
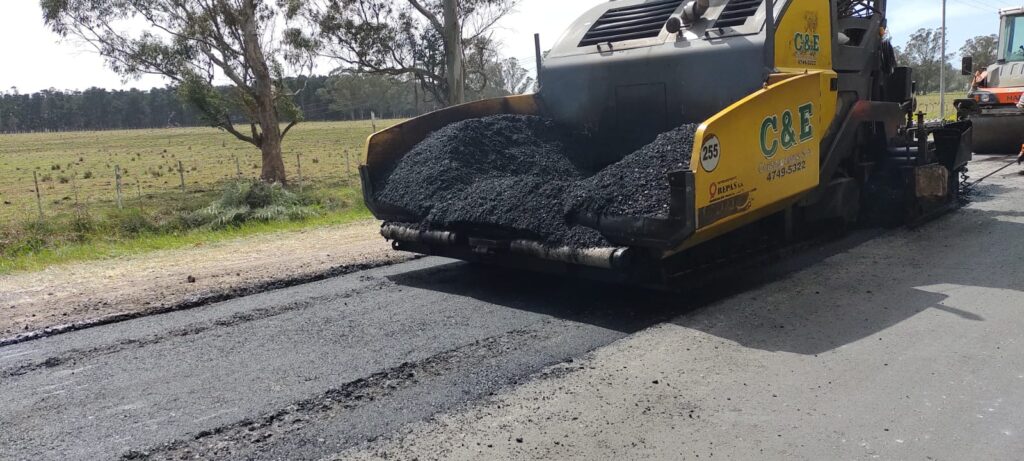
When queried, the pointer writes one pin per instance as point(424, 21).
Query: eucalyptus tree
point(199, 44)
point(433, 41)
point(982, 50)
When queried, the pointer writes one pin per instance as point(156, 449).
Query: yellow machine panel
point(760, 154)
point(803, 39)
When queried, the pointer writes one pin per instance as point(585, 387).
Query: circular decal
point(710, 154)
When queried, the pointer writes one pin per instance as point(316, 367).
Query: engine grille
point(736, 12)
point(631, 22)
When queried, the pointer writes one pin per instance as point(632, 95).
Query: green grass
point(148, 242)
point(82, 164)
point(929, 104)
point(82, 220)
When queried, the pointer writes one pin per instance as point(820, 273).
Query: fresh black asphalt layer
point(190, 379)
point(310, 370)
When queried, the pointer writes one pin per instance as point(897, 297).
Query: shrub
point(251, 200)
point(256, 194)
point(132, 222)
point(30, 237)
point(82, 225)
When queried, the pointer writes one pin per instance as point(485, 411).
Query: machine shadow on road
point(617, 307)
point(794, 313)
point(867, 298)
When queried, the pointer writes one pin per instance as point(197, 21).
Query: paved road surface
point(447, 331)
point(904, 345)
point(908, 346)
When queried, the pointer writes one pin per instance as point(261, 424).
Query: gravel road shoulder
point(123, 287)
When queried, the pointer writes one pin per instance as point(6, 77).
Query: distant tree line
point(101, 109)
point(923, 53)
point(93, 109)
point(322, 98)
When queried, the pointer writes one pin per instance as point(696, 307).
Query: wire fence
point(931, 106)
point(57, 191)
point(53, 174)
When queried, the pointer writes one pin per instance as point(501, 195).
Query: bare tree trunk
point(270, 148)
point(270, 137)
point(453, 52)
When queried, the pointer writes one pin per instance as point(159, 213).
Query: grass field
point(85, 161)
point(929, 104)
point(76, 173)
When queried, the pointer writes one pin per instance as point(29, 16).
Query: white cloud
point(35, 58)
point(549, 18)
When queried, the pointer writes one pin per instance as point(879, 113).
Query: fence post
point(373, 121)
point(348, 168)
point(74, 185)
point(117, 185)
point(238, 167)
point(39, 196)
point(181, 174)
point(138, 183)
point(298, 161)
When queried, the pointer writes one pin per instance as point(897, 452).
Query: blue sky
point(964, 18)
point(39, 61)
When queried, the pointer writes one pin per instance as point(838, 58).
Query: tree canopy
point(442, 44)
point(923, 53)
point(982, 50)
point(194, 43)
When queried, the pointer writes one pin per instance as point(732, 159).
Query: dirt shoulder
point(153, 282)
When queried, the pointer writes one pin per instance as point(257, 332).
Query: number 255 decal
point(710, 154)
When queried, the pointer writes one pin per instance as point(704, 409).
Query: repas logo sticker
point(724, 189)
point(710, 154)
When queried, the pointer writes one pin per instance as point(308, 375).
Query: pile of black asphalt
point(527, 176)
point(637, 185)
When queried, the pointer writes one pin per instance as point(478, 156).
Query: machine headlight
point(985, 97)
